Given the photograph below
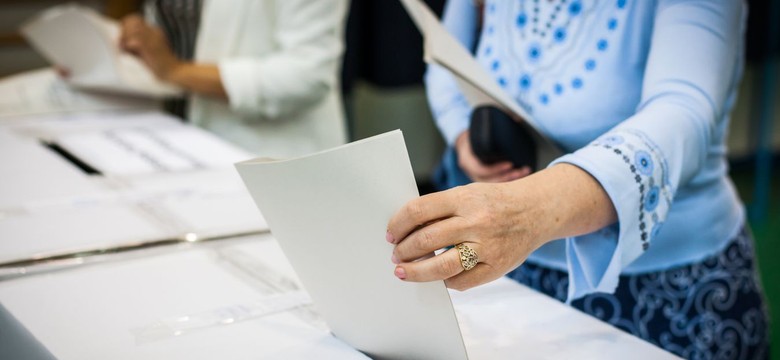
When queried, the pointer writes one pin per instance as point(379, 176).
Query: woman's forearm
point(202, 79)
point(571, 200)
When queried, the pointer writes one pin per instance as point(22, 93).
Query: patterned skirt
point(713, 309)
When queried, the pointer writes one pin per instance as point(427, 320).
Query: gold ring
point(468, 257)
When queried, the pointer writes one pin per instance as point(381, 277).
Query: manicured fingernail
point(400, 273)
point(389, 238)
point(394, 259)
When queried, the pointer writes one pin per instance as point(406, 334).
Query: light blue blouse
point(639, 94)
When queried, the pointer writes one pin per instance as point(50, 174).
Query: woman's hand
point(497, 223)
point(62, 72)
point(503, 223)
point(477, 171)
point(150, 45)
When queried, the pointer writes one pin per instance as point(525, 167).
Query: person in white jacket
point(262, 74)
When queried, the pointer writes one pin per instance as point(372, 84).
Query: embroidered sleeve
point(694, 62)
point(634, 173)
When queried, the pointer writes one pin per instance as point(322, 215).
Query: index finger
point(419, 211)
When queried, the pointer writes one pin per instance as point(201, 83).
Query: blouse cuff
point(633, 173)
point(236, 75)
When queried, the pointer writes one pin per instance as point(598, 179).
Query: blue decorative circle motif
point(576, 83)
point(525, 81)
point(522, 19)
point(495, 65)
point(544, 99)
point(602, 45)
point(612, 24)
point(651, 198)
point(502, 81)
point(621, 4)
point(558, 89)
point(643, 162)
point(534, 52)
point(559, 34)
point(590, 64)
point(575, 8)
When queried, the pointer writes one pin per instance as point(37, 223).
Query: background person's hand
point(477, 171)
point(149, 44)
point(61, 71)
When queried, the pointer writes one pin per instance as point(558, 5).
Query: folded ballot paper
point(86, 43)
point(329, 213)
point(479, 88)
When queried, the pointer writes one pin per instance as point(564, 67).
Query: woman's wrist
point(567, 201)
point(174, 72)
point(202, 79)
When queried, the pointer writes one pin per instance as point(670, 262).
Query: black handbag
point(496, 137)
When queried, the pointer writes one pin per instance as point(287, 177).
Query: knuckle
point(446, 267)
point(414, 210)
point(426, 240)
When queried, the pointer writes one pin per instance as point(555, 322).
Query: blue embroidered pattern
point(649, 171)
point(543, 26)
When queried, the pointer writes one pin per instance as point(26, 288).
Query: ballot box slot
point(71, 158)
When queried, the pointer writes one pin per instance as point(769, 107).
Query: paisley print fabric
point(713, 309)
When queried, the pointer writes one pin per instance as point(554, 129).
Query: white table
point(101, 311)
point(111, 306)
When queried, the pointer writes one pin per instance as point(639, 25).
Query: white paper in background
point(95, 312)
point(149, 208)
point(76, 226)
point(49, 206)
point(51, 126)
point(479, 88)
point(42, 91)
point(329, 212)
point(151, 149)
point(209, 215)
point(207, 203)
point(86, 43)
point(31, 173)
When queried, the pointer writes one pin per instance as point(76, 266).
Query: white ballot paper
point(329, 212)
point(86, 43)
point(42, 91)
point(479, 88)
